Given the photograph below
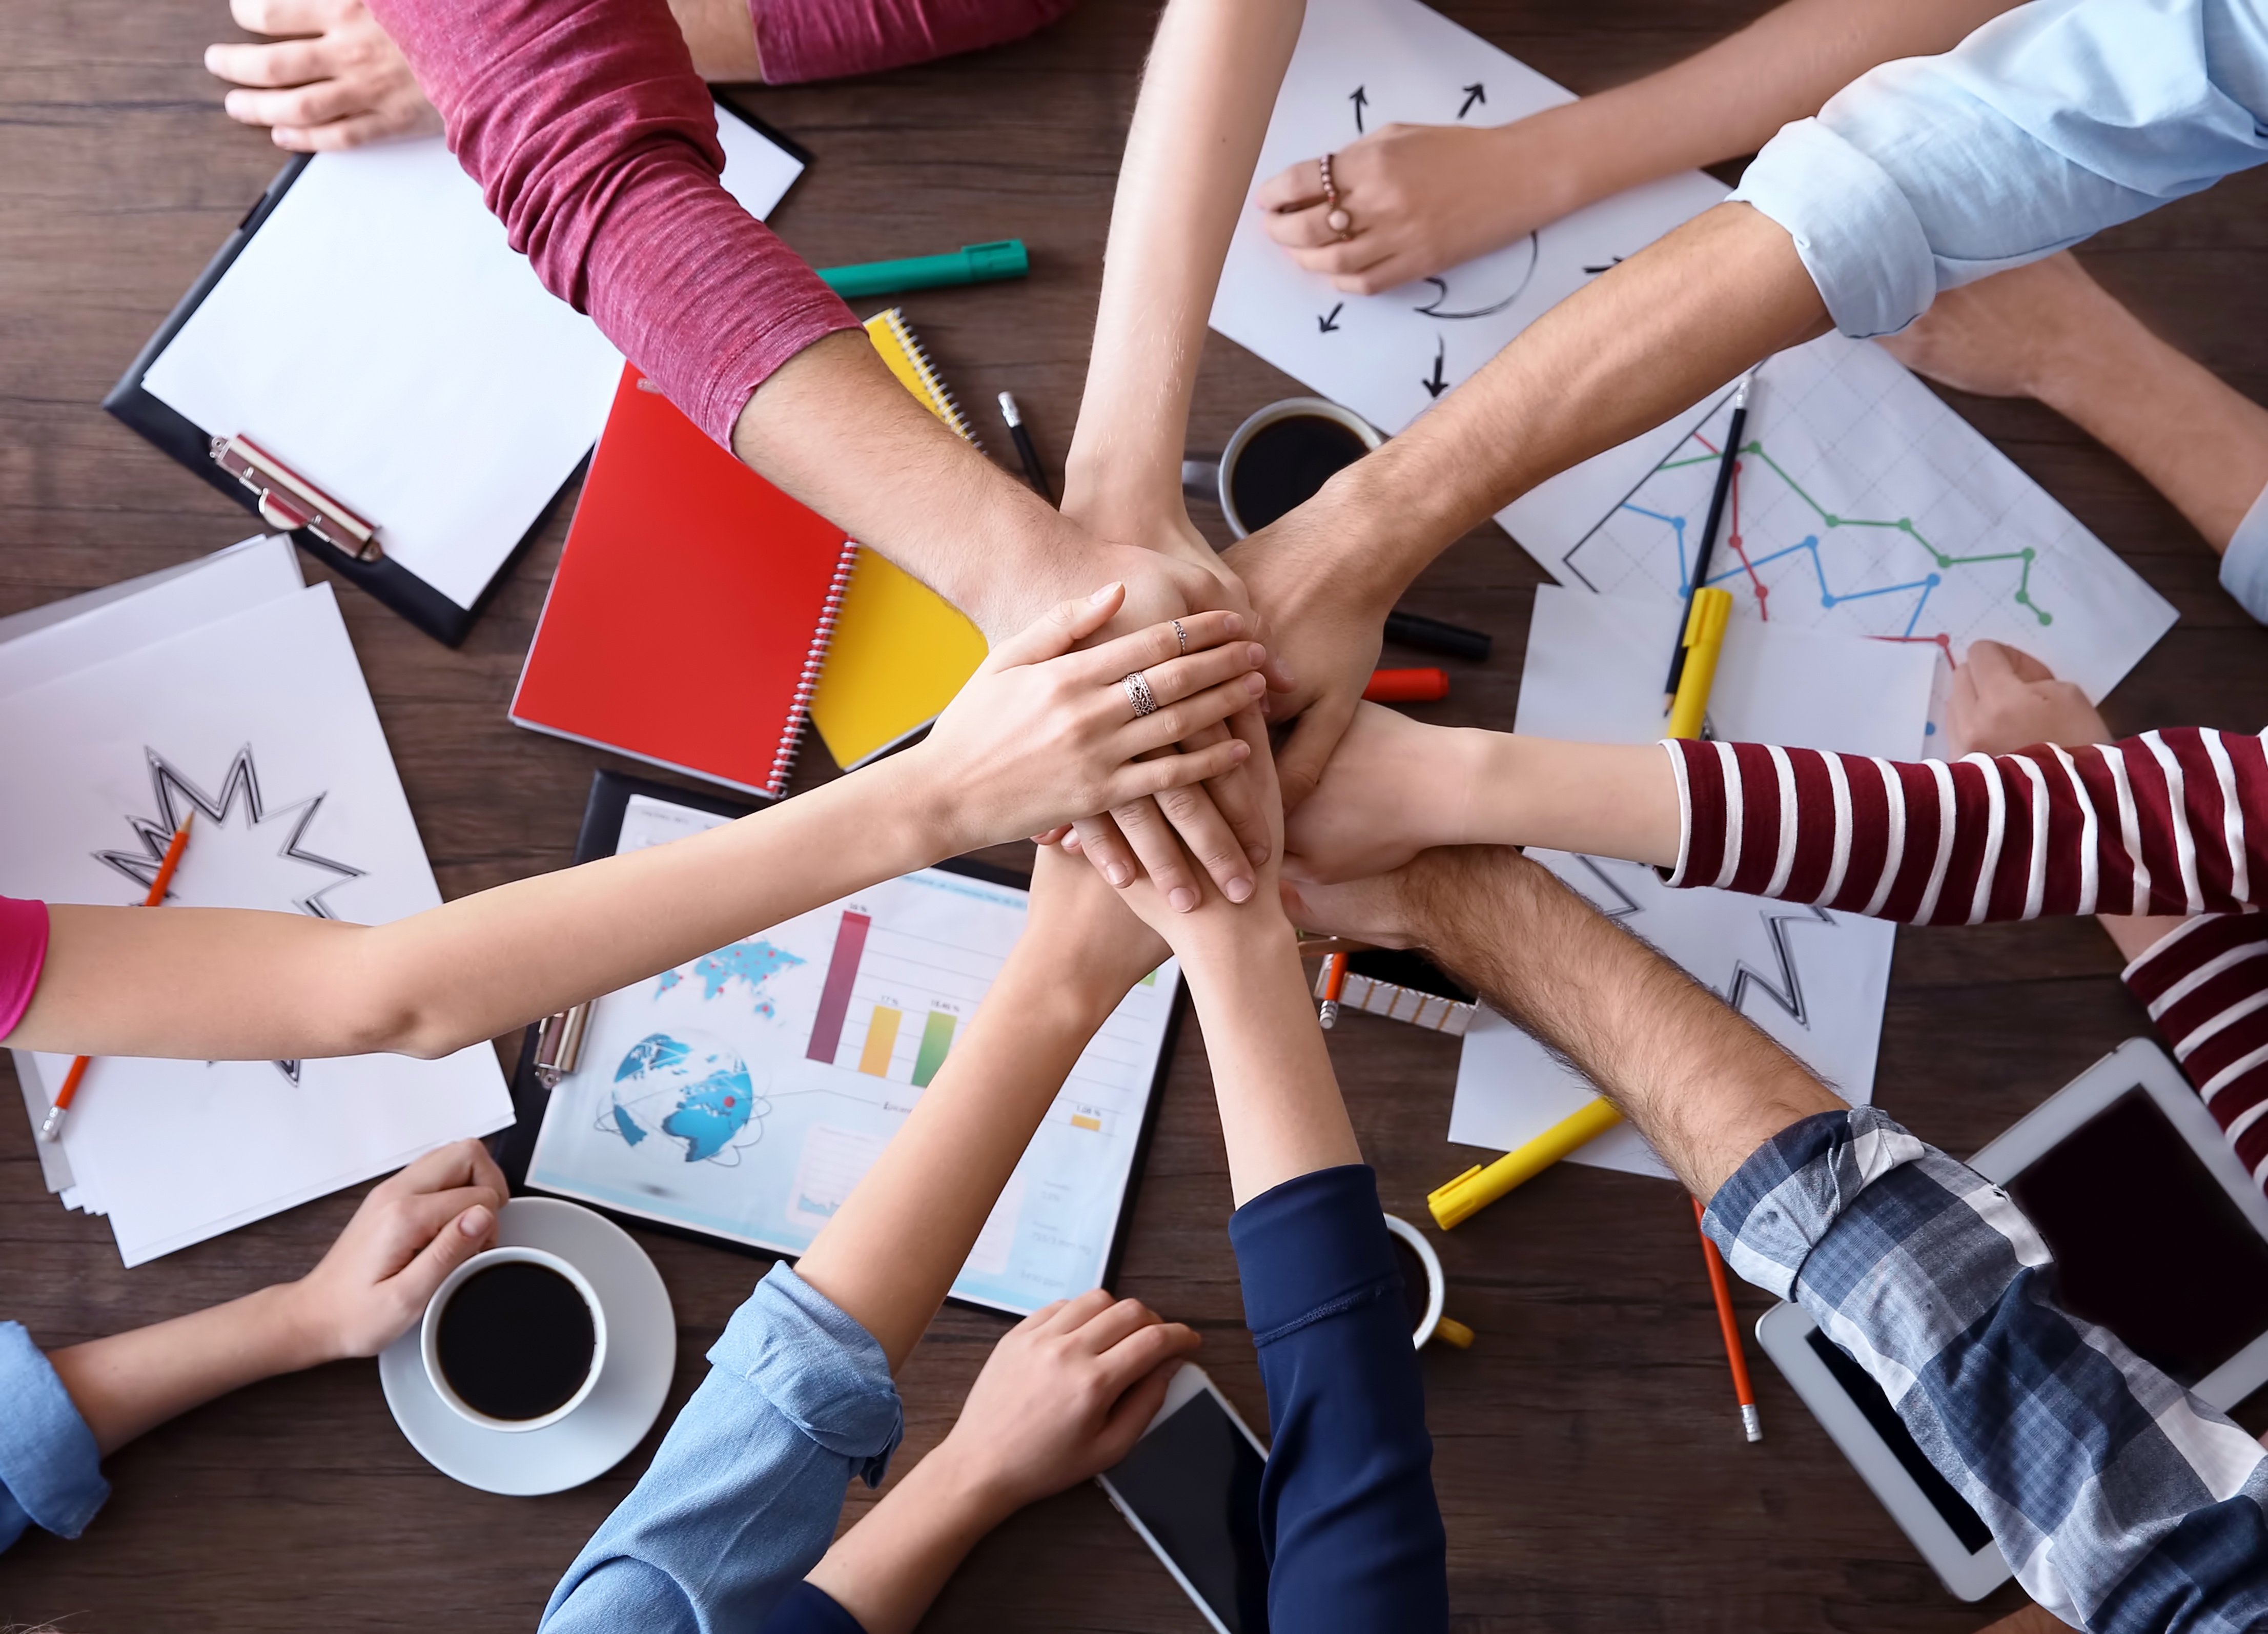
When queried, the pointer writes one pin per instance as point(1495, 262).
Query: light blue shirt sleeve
point(50, 1468)
point(2244, 564)
point(743, 1496)
point(2048, 124)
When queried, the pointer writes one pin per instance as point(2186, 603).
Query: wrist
point(967, 1483)
point(289, 1331)
point(907, 802)
point(1561, 158)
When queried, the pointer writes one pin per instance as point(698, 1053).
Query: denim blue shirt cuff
point(50, 1465)
point(820, 1370)
point(2244, 564)
point(1312, 1247)
point(1853, 226)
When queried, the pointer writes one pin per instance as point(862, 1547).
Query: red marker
point(1406, 686)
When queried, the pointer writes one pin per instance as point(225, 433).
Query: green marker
point(974, 263)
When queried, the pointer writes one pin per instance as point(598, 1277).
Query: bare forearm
point(1212, 80)
point(1281, 1115)
point(2197, 441)
point(891, 1252)
point(1695, 1077)
point(1616, 358)
point(238, 985)
point(833, 428)
point(722, 36)
point(887, 1569)
point(132, 1382)
point(1609, 800)
point(1728, 99)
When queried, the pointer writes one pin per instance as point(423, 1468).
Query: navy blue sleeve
point(808, 1609)
point(1346, 1506)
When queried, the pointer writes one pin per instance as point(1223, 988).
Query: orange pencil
point(52, 1128)
point(1334, 979)
point(1721, 1286)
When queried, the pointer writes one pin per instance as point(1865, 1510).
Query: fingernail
point(1256, 655)
point(1255, 684)
point(1234, 626)
point(475, 1221)
point(1238, 890)
point(1119, 874)
point(1104, 594)
point(1239, 750)
point(1183, 899)
point(1258, 853)
point(1285, 675)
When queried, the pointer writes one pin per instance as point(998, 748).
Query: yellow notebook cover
point(900, 650)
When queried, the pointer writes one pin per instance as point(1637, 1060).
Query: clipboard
point(350, 536)
point(604, 814)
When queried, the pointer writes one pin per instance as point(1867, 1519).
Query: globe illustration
point(686, 1092)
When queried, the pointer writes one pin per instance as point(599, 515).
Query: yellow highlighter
point(1478, 1187)
point(1704, 641)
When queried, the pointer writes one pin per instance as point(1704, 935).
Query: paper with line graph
point(1861, 503)
point(746, 1094)
point(1814, 980)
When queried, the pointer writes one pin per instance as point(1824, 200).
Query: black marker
point(1700, 577)
point(1030, 455)
point(1433, 636)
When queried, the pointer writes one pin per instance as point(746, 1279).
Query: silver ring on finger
point(1139, 693)
point(1179, 635)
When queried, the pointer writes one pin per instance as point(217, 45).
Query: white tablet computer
point(2159, 1235)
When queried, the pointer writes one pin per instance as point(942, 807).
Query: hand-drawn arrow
point(1329, 322)
point(1435, 387)
point(1473, 94)
point(1359, 98)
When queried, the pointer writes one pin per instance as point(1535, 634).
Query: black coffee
point(1286, 464)
point(515, 1340)
point(1415, 1294)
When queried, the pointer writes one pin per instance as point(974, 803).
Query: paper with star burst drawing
point(261, 725)
point(1814, 980)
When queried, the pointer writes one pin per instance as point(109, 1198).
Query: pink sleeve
point(595, 143)
point(23, 950)
point(805, 40)
point(2170, 822)
point(2206, 987)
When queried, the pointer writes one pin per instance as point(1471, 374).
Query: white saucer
point(641, 1356)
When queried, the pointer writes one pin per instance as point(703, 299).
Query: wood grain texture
point(1587, 1456)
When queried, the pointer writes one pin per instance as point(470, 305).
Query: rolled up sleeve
point(50, 1468)
point(2048, 124)
point(743, 1496)
point(2122, 1502)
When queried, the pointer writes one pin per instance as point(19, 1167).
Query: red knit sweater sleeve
point(805, 40)
point(595, 143)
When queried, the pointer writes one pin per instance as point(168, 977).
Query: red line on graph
point(1942, 642)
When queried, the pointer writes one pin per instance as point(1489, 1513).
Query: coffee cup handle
point(1201, 479)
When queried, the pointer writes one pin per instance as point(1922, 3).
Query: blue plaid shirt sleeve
point(2122, 1502)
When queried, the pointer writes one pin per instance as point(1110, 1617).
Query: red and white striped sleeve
point(2170, 822)
point(2206, 987)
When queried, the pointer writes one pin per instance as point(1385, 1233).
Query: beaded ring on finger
point(1336, 219)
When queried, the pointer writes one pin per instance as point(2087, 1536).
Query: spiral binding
point(799, 714)
point(939, 391)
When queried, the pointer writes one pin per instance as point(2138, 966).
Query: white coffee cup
point(1437, 1285)
point(430, 1331)
point(1217, 478)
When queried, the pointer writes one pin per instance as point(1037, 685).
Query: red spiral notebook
point(692, 607)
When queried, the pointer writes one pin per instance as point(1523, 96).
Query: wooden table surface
point(1589, 1464)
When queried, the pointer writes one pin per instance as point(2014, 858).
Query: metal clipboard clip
point(559, 1045)
point(289, 501)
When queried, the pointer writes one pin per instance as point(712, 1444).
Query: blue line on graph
point(1811, 542)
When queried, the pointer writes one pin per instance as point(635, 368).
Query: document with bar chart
point(745, 1094)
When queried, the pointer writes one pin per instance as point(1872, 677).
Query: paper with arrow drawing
point(1361, 64)
point(1814, 980)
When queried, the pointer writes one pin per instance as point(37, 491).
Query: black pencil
point(1700, 575)
point(1033, 469)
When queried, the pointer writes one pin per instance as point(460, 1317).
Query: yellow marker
point(1704, 640)
point(1476, 1187)
point(1451, 1332)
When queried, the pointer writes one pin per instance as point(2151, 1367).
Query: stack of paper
point(229, 688)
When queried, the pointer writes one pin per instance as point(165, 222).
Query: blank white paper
point(1814, 980)
point(262, 718)
point(381, 337)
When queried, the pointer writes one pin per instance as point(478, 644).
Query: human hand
point(2005, 335)
point(1043, 734)
point(1421, 199)
point(1393, 787)
point(1063, 1396)
point(410, 1233)
point(332, 79)
point(2004, 699)
point(1214, 914)
point(1089, 935)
